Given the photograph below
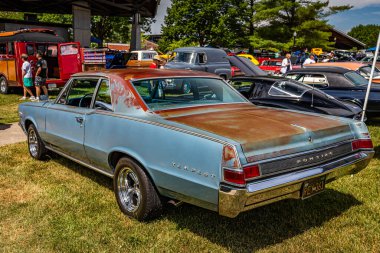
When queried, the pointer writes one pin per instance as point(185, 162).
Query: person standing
point(27, 77)
point(286, 64)
point(309, 60)
point(41, 76)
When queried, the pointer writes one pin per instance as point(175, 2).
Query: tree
point(204, 22)
point(279, 20)
point(366, 33)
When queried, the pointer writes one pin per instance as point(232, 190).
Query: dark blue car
point(340, 83)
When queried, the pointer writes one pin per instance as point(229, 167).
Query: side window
point(202, 58)
point(134, 56)
point(103, 98)
point(11, 48)
point(69, 49)
point(3, 48)
point(30, 49)
point(79, 93)
point(315, 79)
point(148, 56)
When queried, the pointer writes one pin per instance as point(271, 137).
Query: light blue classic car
point(205, 145)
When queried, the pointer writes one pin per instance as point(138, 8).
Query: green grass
point(8, 108)
point(58, 206)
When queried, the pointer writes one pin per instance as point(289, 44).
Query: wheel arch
point(115, 155)
point(28, 122)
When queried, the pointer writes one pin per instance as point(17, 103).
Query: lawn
point(58, 206)
point(8, 108)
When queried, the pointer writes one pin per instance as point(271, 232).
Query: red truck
point(63, 58)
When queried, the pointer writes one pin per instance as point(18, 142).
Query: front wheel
point(35, 145)
point(135, 194)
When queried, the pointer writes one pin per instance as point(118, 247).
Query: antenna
point(312, 97)
point(370, 78)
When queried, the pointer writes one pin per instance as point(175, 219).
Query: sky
point(364, 12)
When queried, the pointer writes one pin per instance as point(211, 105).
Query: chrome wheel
point(3, 85)
point(129, 189)
point(33, 143)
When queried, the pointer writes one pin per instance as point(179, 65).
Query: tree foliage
point(259, 23)
point(277, 20)
point(367, 34)
point(204, 22)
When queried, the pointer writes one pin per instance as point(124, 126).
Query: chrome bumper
point(233, 200)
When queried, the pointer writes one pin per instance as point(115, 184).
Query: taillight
point(362, 144)
point(233, 176)
point(251, 171)
point(232, 170)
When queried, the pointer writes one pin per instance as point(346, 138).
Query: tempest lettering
point(315, 158)
point(193, 170)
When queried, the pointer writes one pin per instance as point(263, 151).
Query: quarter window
point(317, 80)
point(103, 98)
point(288, 89)
point(80, 92)
point(11, 48)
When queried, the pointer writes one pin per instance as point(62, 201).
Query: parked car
point(250, 57)
point(272, 66)
point(340, 83)
point(212, 60)
point(369, 60)
point(210, 147)
point(63, 58)
point(242, 66)
point(286, 93)
point(361, 68)
point(141, 58)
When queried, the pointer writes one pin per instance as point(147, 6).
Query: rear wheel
point(135, 194)
point(4, 88)
point(35, 145)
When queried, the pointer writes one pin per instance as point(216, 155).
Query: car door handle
point(79, 120)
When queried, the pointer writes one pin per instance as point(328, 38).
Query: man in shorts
point(27, 77)
point(41, 76)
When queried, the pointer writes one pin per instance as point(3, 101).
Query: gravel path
point(11, 133)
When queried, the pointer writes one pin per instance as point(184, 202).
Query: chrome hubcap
point(33, 143)
point(3, 85)
point(129, 189)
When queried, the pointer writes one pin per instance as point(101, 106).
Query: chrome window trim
point(68, 88)
point(189, 106)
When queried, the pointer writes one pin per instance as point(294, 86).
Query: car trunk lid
point(263, 132)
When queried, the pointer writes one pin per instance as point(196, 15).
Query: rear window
point(355, 78)
point(3, 48)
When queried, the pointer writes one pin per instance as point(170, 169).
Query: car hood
point(261, 130)
point(246, 66)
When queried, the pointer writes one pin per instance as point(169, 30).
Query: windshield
point(288, 89)
point(184, 57)
point(355, 78)
point(169, 93)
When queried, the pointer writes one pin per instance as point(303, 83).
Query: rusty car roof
point(142, 73)
point(347, 65)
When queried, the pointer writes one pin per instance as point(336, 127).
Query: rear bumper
point(233, 200)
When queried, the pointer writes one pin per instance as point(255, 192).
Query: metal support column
point(82, 22)
point(136, 32)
